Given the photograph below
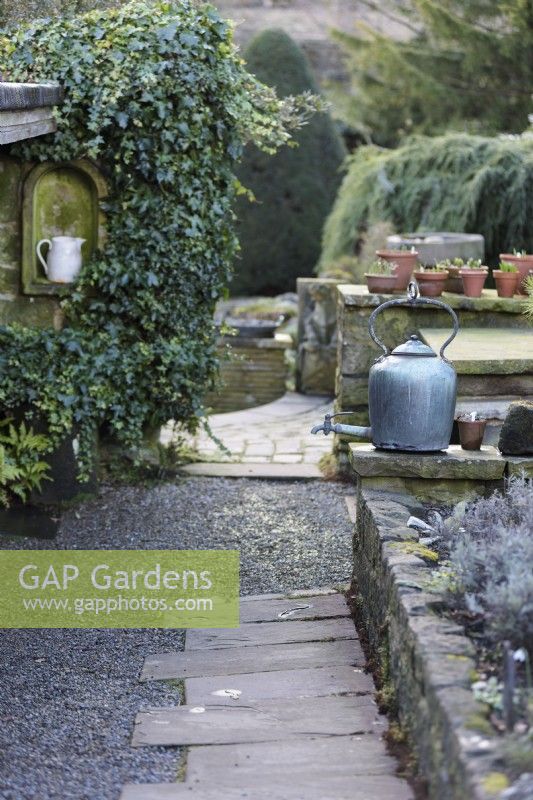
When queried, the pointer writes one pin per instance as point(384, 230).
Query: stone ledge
point(453, 464)
point(16, 96)
point(358, 295)
point(429, 659)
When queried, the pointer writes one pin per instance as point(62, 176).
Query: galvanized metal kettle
point(411, 390)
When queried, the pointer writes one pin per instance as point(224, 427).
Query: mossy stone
point(516, 437)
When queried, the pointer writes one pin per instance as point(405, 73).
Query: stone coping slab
point(15, 96)
point(453, 464)
point(485, 351)
point(358, 295)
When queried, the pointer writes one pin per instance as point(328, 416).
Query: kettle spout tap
point(347, 430)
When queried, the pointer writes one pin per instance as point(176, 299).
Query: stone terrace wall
point(426, 659)
point(356, 352)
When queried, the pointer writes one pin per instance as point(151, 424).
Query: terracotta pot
point(455, 282)
point(406, 261)
point(473, 281)
point(431, 284)
point(524, 264)
point(471, 433)
point(506, 282)
point(381, 284)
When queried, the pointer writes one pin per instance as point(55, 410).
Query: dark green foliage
point(465, 65)
point(156, 94)
point(456, 183)
point(280, 232)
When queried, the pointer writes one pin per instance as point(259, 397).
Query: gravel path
point(69, 697)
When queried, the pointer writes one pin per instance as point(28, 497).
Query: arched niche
point(59, 200)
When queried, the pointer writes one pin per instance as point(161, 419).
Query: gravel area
point(69, 697)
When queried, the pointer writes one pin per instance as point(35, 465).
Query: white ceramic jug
point(63, 261)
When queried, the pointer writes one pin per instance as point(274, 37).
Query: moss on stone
point(495, 782)
point(479, 723)
point(414, 548)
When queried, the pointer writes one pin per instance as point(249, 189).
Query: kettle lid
point(414, 347)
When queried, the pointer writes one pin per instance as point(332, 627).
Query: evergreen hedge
point(156, 95)
point(294, 190)
point(457, 182)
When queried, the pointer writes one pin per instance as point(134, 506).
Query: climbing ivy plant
point(157, 95)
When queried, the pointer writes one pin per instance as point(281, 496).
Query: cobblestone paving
point(277, 433)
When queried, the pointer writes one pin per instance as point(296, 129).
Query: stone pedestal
point(317, 335)
point(446, 477)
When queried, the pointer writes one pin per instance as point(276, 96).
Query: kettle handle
point(413, 298)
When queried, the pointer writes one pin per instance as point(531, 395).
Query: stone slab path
point(278, 709)
point(271, 441)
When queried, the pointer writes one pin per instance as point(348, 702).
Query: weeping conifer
point(457, 182)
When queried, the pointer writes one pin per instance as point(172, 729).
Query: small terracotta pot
point(473, 281)
point(455, 282)
point(524, 264)
point(381, 284)
point(406, 261)
point(471, 433)
point(506, 282)
point(431, 284)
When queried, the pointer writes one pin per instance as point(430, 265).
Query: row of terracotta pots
point(433, 282)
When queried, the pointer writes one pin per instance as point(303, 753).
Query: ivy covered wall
point(158, 97)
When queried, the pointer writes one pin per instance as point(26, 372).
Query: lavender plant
point(490, 565)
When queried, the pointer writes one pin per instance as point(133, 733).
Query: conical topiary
point(280, 233)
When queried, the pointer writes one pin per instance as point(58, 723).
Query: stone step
point(261, 471)
point(268, 658)
point(320, 759)
point(363, 787)
point(292, 609)
point(485, 351)
point(265, 721)
point(292, 683)
point(267, 633)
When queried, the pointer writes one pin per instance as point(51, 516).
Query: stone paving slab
point(265, 721)
point(291, 683)
point(261, 471)
point(267, 658)
point(320, 759)
point(267, 633)
point(364, 787)
point(260, 610)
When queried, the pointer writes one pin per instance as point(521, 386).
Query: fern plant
point(21, 470)
point(9, 473)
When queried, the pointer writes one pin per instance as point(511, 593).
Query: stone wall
point(317, 336)
point(426, 659)
point(356, 352)
point(309, 22)
point(255, 373)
